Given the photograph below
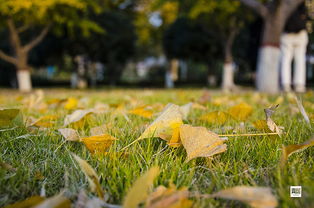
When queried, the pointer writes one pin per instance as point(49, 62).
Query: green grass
point(249, 161)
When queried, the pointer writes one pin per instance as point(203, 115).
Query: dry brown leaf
point(199, 142)
point(91, 175)
point(27, 203)
point(272, 126)
point(76, 116)
point(257, 197)
point(98, 144)
point(241, 111)
point(69, 134)
point(293, 148)
point(169, 197)
point(139, 191)
point(7, 166)
point(215, 117)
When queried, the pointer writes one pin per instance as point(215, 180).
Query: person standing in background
point(294, 41)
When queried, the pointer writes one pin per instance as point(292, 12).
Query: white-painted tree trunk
point(24, 80)
point(267, 77)
point(168, 80)
point(227, 77)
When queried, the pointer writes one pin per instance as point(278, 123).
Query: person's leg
point(299, 79)
point(286, 59)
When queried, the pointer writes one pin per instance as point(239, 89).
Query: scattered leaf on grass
point(141, 111)
point(199, 142)
point(257, 197)
point(76, 116)
point(69, 134)
point(215, 117)
point(71, 104)
point(45, 121)
point(270, 123)
point(7, 166)
point(99, 143)
point(168, 120)
point(7, 116)
point(241, 111)
point(293, 148)
point(91, 175)
point(56, 201)
point(27, 203)
point(169, 197)
point(139, 191)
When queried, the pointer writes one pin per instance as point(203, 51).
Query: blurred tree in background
point(34, 18)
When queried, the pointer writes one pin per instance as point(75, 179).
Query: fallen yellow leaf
point(169, 197)
point(241, 111)
point(141, 111)
point(27, 203)
point(76, 118)
point(7, 116)
point(199, 142)
point(293, 148)
point(45, 121)
point(99, 143)
point(215, 117)
point(257, 197)
point(71, 104)
point(139, 191)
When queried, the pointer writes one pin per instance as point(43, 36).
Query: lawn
point(37, 160)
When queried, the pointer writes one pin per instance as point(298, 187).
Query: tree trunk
point(227, 77)
point(19, 59)
point(269, 54)
point(172, 73)
point(23, 71)
point(24, 80)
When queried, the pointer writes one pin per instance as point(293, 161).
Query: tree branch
point(8, 58)
point(14, 37)
point(37, 40)
point(290, 6)
point(23, 28)
point(260, 8)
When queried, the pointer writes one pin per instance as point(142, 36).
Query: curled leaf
point(169, 197)
point(91, 175)
point(76, 116)
point(293, 148)
point(272, 126)
point(199, 142)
